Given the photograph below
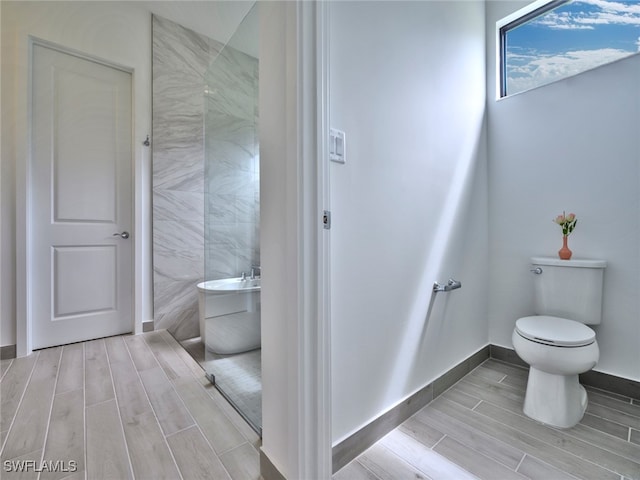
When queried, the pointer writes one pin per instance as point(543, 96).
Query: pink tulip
point(571, 217)
point(560, 219)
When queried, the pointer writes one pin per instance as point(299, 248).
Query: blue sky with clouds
point(570, 39)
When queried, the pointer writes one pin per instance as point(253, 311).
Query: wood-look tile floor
point(121, 407)
point(476, 429)
point(141, 407)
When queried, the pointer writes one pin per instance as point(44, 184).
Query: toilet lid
point(555, 331)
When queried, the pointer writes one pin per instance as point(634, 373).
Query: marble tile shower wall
point(181, 59)
point(232, 166)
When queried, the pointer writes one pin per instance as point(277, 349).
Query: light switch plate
point(337, 146)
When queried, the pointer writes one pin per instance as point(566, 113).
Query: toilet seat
point(555, 331)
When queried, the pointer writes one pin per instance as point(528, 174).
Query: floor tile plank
point(612, 395)
point(425, 434)
point(613, 415)
point(355, 471)
point(130, 394)
point(65, 439)
point(4, 366)
point(615, 445)
point(506, 368)
point(424, 459)
point(462, 398)
point(501, 389)
point(496, 449)
point(538, 470)
point(489, 373)
point(621, 404)
point(13, 385)
point(98, 385)
point(167, 405)
point(28, 431)
point(498, 394)
point(509, 399)
point(386, 465)
point(107, 456)
point(520, 440)
point(473, 461)
point(169, 360)
point(195, 457)
point(140, 352)
point(563, 440)
point(150, 454)
point(243, 426)
point(242, 463)
point(606, 426)
point(71, 375)
point(516, 382)
point(117, 352)
point(188, 360)
point(515, 376)
point(216, 427)
point(75, 476)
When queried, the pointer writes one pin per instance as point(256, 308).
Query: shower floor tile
point(238, 377)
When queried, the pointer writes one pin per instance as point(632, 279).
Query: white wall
point(410, 205)
point(118, 32)
point(572, 145)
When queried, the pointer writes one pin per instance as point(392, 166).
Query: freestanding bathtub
point(230, 315)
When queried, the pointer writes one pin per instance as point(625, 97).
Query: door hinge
point(326, 220)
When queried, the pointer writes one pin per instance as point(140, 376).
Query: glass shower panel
point(231, 332)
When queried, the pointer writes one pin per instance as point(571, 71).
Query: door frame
point(24, 243)
point(297, 349)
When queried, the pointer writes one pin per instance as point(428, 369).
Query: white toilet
point(556, 343)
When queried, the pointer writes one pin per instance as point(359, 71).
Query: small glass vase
point(565, 253)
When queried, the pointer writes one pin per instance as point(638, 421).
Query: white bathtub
point(230, 315)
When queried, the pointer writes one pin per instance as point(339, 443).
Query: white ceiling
point(217, 19)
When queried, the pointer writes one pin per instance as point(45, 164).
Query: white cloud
point(562, 21)
point(631, 8)
point(609, 13)
point(638, 43)
point(539, 70)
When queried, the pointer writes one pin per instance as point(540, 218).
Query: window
point(551, 40)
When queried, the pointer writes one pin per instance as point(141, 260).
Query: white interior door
point(81, 197)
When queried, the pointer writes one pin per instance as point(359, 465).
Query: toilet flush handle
point(536, 270)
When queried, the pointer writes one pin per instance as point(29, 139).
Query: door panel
point(86, 147)
point(81, 196)
point(76, 273)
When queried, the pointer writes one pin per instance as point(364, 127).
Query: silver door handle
point(123, 235)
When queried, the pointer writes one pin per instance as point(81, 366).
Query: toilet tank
point(569, 288)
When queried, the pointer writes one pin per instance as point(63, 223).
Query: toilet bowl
point(558, 351)
point(557, 343)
